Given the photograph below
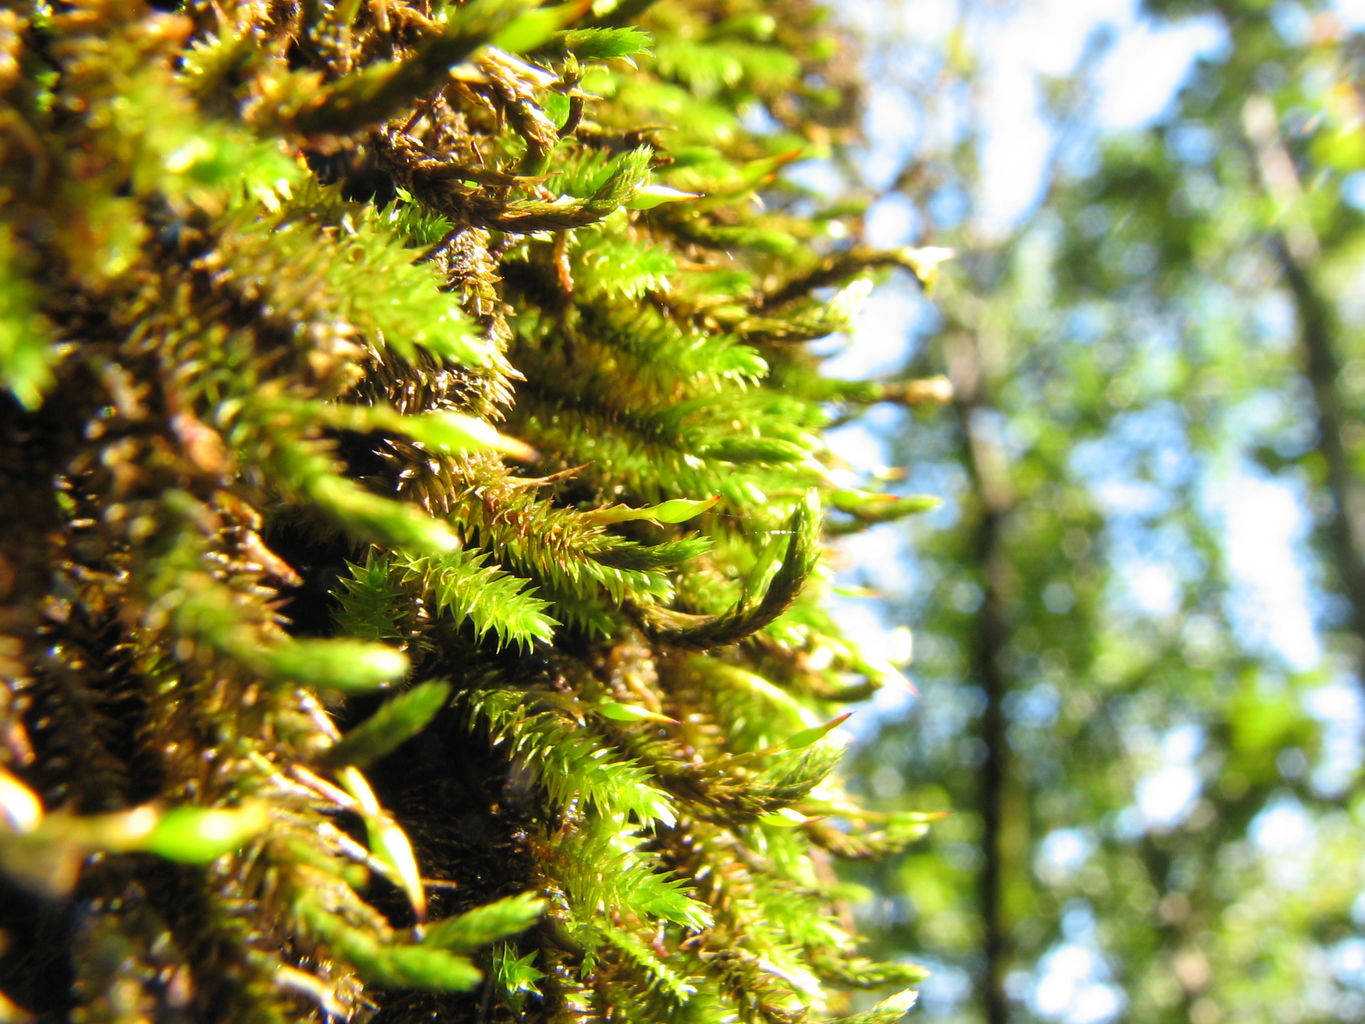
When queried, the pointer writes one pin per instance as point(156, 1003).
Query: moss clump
point(410, 585)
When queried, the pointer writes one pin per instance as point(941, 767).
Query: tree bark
point(1296, 248)
point(984, 459)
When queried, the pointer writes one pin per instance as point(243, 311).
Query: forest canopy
point(1139, 638)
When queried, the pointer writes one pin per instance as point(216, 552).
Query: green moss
point(343, 349)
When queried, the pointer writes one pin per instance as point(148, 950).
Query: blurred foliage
point(1146, 729)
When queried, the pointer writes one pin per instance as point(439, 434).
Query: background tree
point(1147, 730)
point(413, 474)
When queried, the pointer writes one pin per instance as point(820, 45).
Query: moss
point(347, 350)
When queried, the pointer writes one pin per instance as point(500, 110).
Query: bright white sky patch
point(1155, 588)
point(1281, 828)
point(1351, 11)
point(1264, 525)
point(1140, 76)
point(1061, 854)
point(1014, 152)
point(1071, 988)
point(1137, 79)
point(1340, 708)
point(1167, 795)
point(1285, 833)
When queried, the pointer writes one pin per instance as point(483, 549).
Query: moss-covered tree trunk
point(412, 478)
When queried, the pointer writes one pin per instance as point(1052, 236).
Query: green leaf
point(28, 351)
point(371, 604)
point(785, 817)
point(394, 966)
point(528, 31)
point(573, 765)
point(806, 737)
point(629, 173)
point(619, 712)
point(873, 507)
point(768, 450)
point(369, 515)
point(461, 585)
point(423, 967)
point(516, 977)
point(605, 43)
point(199, 835)
point(351, 666)
point(442, 431)
point(482, 925)
point(647, 197)
point(388, 842)
point(608, 868)
point(779, 582)
point(678, 510)
point(889, 1011)
point(391, 726)
point(660, 973)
